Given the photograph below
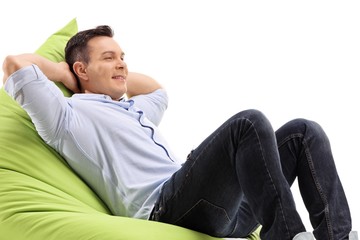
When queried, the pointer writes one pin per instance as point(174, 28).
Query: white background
point(287, 58)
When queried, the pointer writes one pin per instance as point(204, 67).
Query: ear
point(80, 70)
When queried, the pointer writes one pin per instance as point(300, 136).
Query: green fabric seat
point(41, 198)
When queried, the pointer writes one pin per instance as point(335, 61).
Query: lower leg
point(305, 153)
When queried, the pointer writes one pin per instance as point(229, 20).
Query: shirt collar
point(93, 96)
point(103, 98)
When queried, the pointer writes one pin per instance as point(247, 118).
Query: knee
point(306, 123)
point(308, 127)
point(253, 115)
point(253, 119)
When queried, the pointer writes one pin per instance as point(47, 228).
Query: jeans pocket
point(208, 218)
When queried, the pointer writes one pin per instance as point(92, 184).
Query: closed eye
point(111, 55)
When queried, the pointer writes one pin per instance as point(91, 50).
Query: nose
point(120, 64)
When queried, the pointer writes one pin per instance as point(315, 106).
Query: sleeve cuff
point(20, 78)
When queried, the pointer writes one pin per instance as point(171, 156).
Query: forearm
point(57, 72)
point(138, 83)
point(15, 62)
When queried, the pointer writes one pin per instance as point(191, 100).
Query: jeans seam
point(268, 174)
point(263, 160)
point(313, 174)
point(277, 194)
point(319, 189)
point(197, 157)
point(208, 203)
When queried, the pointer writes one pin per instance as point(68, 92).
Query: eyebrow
point(112, 52)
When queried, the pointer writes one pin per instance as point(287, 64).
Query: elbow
point(6, 67)
point(11, 64)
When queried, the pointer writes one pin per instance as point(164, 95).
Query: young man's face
point(106, 70)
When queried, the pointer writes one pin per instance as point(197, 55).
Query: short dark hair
point(76, 48)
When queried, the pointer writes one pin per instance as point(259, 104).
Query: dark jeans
point(240, 177)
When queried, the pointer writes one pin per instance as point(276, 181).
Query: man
point(237, 179)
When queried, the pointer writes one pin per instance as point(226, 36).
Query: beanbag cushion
point(42, 198)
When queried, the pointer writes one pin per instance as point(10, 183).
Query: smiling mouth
point(121, 78)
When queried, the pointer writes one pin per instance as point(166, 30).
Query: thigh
point(205, 194)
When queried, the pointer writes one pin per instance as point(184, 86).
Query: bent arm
point(43, 101)
point(138, 83)
point(57, 72)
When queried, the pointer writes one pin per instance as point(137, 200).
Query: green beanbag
point(41, 198)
